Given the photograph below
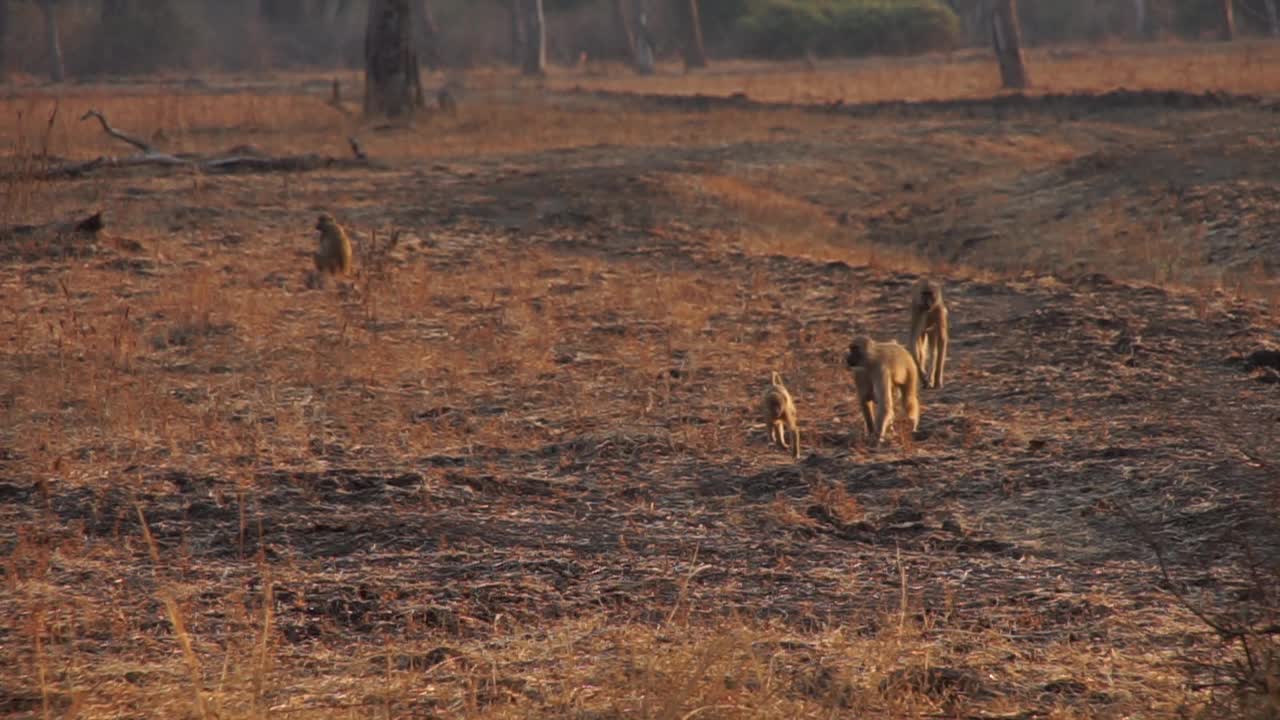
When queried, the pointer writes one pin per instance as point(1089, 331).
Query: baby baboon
point(780, 415)
point(335, 247)
point(878, 370)
point(930, 331)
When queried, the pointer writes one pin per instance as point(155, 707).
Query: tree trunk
point(623, 24)
point(1228, 21)
point(517, 31)
point(392, 80)
point(1273, 18)
point(1140, 18)
point(535, 38)
point(52, 41)
point(695, 55)
point(644, 40)
point(431, 54)
point(4, 40)
point(1006, 38)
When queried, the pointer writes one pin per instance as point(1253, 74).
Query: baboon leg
point(913, 406)
point(940, 358)
point(884, 404)
point(868, 408)
point(781, 429)
point(773, 433)
point(925, 356)
point(795, 443)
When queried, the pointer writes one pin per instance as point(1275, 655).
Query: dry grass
point(510, 468)
point(1242, 67)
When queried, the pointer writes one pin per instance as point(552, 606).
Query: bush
point(788, 28)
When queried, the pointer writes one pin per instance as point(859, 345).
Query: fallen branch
point(88, 226)
point(237, 159)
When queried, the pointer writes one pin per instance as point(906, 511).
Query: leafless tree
point(1273, 18)
point(4, 40)
point(535, 38)
point(392, 79)
point(1140, 18)
point(623, 24)
point(1006, 38)
point(430, 37)
point(52, 40)
point(517, 31)
point(695, 55)
point(643, 59)
point(1228, 21)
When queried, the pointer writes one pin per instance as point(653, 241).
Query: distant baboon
point(930, 331)
point(780, 415)
point(446, 100)
point(334, 255)
point(878, 370)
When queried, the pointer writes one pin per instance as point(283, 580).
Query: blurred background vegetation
point(147, 36)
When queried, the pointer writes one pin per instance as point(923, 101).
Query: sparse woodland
point(406, 358)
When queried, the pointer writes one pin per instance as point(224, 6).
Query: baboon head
point(324, 222)
point(927, 294)
point(857, 356)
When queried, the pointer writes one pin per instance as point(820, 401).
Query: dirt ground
point(512, 467)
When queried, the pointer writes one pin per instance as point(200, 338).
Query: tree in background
point(643, 59)
point(392, 80)
point(1006, 38)
point(1228, 21)
point(431, 54)
point(4, 35)
point(623, 24)
point(52, 40)
point(695, 55)
point(535, 38)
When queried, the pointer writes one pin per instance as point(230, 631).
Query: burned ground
point(512, 467)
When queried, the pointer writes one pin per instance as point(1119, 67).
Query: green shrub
point(787, 28)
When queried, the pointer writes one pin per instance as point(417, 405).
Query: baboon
point(780, 415)
point(446, 101)
point(335, 247)
point(930, 331)
point(880, 368)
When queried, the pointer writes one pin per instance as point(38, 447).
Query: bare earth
point(513, 468)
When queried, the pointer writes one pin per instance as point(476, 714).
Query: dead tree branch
point(237, 159)
point(87, 226)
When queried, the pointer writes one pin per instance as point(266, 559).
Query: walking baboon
point(334, 255)
point(878, 370)
point(930, 331)
point(780, 415)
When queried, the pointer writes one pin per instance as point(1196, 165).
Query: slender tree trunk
point(535, 45)
point(517, 31)
point(644, 39)
point(431, 54)
point(52, 41)
point(621, 21)
point(1228, 21)
point(392, 80)
point(1006, 37)
point(4, 40)
point(1273, 18)
point(695, 55)
point(1140, 18)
